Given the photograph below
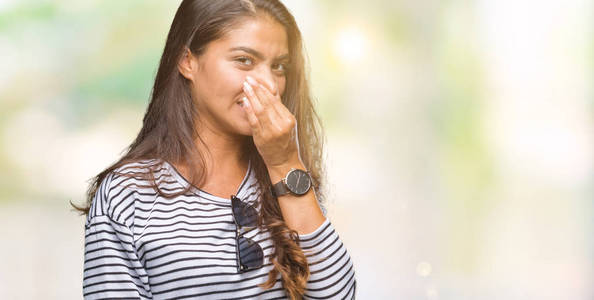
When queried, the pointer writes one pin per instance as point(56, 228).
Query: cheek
point(282, 85)
point(229, 82)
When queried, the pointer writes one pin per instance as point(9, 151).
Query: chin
point(243, 129)
point(247, 132)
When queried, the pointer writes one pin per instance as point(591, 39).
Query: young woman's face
point(256, 47)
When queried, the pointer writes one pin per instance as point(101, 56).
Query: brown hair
point(168, 131)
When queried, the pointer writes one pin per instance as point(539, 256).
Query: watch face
point(298, 181)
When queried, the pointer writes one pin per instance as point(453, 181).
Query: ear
point(187, 65)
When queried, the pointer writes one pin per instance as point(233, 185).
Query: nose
point(266, 78)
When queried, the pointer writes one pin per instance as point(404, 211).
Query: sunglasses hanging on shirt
point(249, 253)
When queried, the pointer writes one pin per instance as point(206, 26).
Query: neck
point(221, 151)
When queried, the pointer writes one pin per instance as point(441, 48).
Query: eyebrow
point(257, 54)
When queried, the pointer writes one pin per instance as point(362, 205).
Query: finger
point(254, 101)
point(283, 113)
point(258, 90)
point(252, 118)
point(269, 117)
point(257, 107)
point(280, 115)
point(274, 99)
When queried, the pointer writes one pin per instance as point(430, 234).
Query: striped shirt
point(139, 244)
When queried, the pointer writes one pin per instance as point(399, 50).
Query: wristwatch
point(297, 182)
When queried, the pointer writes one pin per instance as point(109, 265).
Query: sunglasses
point(249, 254)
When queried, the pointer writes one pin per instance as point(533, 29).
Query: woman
point(218, 196)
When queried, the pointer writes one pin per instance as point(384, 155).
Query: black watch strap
point(279, 189)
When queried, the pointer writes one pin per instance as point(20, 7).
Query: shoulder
point(122, 187)
point(138, 168)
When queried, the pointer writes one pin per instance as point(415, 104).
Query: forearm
point(332, 271)
point(301, 213)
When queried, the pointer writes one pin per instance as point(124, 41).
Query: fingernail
point(245, 101)
point(251, 80)
point(248, 87)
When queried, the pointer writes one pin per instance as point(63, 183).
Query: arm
point(301, 213)
point(332, 274)
point(275, 135)
point(274, 130)
point(111, 265)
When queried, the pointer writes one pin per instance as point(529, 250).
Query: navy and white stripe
point(141, 245)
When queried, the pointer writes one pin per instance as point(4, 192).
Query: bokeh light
point(350, 45)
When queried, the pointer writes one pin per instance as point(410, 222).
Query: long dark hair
point(168, 131)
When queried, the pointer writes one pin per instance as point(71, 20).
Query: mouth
point(239, 102)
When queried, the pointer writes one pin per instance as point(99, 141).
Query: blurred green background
point(459, 138)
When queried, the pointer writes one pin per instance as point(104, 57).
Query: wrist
point(277, 173)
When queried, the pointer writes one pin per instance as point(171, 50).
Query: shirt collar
point(245, 189)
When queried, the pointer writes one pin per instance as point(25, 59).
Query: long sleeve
point(332, 274)
point(112, 268)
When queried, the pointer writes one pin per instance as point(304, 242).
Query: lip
point(238, 101)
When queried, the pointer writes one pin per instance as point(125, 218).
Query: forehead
point(261, 33)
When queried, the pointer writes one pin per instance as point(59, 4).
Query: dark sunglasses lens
point(250, 253)
point(245, 214)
